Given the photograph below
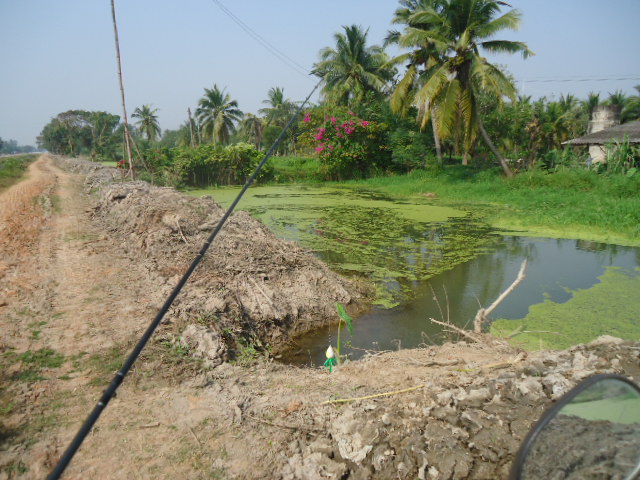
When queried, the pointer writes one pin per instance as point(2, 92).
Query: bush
point(409, 150)
point(208, 165)
point(347, 146)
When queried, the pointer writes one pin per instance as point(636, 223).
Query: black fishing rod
point(110, 392)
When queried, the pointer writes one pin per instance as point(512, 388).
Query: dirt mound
point(250, 283)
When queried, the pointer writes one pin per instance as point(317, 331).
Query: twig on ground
point(289, 427)
point(437, 363)
point(150, 425)
point(180, 231)
point(462, 332)
point(518, 358)
point(195, 436)
point(376, 395)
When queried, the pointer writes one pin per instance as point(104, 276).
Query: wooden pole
point(127, 135)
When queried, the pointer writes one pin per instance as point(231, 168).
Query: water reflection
point(556, 267)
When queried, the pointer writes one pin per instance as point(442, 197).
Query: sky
point(58, 55)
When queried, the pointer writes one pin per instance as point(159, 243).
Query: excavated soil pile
point(250, 283)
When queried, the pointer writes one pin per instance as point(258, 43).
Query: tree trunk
point(127, 135)
point(193, 138)
point(436, 139)
point(468, 152)
point(494, 150)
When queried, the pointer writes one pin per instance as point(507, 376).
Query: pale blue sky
point(57, 55)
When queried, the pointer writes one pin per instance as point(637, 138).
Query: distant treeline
point(8, 147)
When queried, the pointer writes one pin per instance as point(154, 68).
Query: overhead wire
point(583, 79)
point(284, 58)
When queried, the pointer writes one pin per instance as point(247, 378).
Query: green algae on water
point(611, 307)
point(392, 243)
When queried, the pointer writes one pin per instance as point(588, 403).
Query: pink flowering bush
point(347, 146)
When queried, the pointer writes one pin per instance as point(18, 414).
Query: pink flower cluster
point(341, 130)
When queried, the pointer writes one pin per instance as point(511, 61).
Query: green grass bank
point(13, 168)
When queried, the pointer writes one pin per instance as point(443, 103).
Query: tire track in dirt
point(101, 299)
point(66, 291)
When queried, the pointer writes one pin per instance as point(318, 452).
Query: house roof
point(630, 130)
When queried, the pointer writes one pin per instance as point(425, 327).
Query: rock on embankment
point(250, 283)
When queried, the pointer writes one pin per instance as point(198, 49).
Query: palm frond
point(508, 21)
point(507, 46)
point(401, 97)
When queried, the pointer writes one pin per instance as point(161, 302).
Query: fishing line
point(110, 392)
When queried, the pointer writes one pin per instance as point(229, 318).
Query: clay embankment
point(250, 284)
point(94, 268)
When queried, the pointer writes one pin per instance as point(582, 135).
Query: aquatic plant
point(344, 317)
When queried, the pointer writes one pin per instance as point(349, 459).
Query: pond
point(430, 261)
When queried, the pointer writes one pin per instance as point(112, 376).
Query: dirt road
point(73, 299)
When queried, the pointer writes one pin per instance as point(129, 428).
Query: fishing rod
point(110, 391)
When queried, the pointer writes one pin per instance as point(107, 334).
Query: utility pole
point(127, 135)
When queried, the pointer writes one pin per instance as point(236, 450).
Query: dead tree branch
point(483, 313)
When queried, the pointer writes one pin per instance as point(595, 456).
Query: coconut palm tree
point(590, 104)
point(423, 56)
point(631, 110)
point(446, 72)
point(279, 109)
point(352, 69)
point(253, 128)
point(217, 114)
point(147, 121)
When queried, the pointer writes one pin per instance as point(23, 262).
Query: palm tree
point(446, 73)
point(631, 110)
point(253, 128)
point(280, 109)
point(424, 55)
point(217, 114)
point(617, 99)
point(352, 69)
point(147, 121)
point(590, 104)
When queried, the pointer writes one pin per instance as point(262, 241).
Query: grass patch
point(36, 329)
point(295, 169)
point(35, 361)
point(29, 376)
point(12, 169)
point(105, 364)
point(43, 358)
point(16, 468)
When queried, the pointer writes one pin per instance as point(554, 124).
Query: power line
point(566, 80)
point(291, 63)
